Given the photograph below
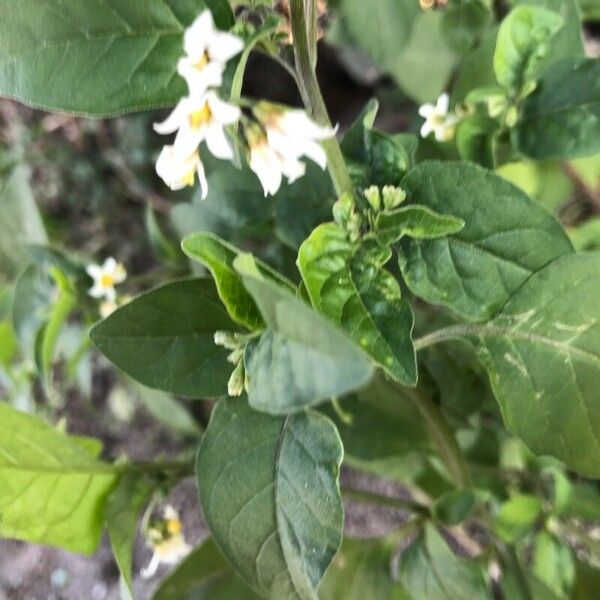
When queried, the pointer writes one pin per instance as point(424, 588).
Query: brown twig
point(589, 194)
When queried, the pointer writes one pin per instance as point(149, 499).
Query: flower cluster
point(274, 138)
point(105, 277)
point(438, 120)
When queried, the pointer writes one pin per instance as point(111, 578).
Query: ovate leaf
point(522, 42)
point(105, 56)
point(270, 493)
point(506, 238)
point(354, 290)
point(53, 489)
point(429, 569)
point(542, 352)
point(561, 119)
point(165, 339)
point(302, 359)
point(517, 516)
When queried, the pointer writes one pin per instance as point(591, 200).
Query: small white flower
point(105, 277)
point(179, 171)
point(437, 119)
point(207, 51)
point(107, 308)
point(198, 118)
point(168, 543)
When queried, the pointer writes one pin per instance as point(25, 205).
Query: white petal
point(426, 129)
point(109, 266)
point(426, 110)
point(150, 570)
point(218, 142)
point(174, 121)
point(297, 123)
point(198, 35)
point(223, 112)
point(202, 179)
point(293, 169)
point(266, 168)
point(224, 46)
point(187, 140)
point(200, 80)
point(94, 271)
point(443, 103)
point(97, 291)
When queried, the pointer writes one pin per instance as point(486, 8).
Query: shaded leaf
point(270, 493)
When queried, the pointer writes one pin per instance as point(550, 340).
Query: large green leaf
point(53, 489)
point(164, 338)
point(360, 571)
point(203, 574)
point(96, 58)
point(561, 119)
point(429, 569)
point(354, 290)
point(507, 237)
point(122, 514)
point(270, 493)
point(542, 352)
point(20, 221)
point(522, 41)
point(301, 359)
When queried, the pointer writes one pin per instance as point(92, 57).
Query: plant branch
point(387, 501)
point(446, 334)
point(311, 95)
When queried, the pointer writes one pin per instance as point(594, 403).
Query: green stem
point(372, 498)
point(312, 98)
point(454, 332)
point(442, 437)
point(185, 466)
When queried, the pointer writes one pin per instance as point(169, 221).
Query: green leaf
point(217, 256)
point(464, 22)
point(52, 489)
point(475, 139)
point(222, 13)
point(203, 574)
point(164, 339)
point(353, 289)
point(122, 514)
point(454, 506)
point(415, 221)
point(517, 516)
point(270, 492)
point(361, 570)
point(554, 564)
point(507, 238)
point(107, 56)
point(20, 220)
point(561, 119)
point(353, 143)
point(429, 569)
point(542, 352)
point(522, 42)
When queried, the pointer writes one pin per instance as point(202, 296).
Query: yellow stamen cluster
point(107, 280)
point(201, 116)
point(204, 60)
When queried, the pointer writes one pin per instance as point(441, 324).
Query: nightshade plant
point(438, 327)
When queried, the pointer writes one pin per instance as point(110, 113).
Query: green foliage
point(301, 359)
point(562, 117)
point(506, 239)
point(282, 527)
point(517, 516)
point(53, 488)
point(429, 569)
point(108, 57)
point(172, 326)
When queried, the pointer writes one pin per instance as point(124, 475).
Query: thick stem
point(443, 439)
point(312, 98)
point(372, 498)
point(454, 332)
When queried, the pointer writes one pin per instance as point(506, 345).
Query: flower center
point(188, 178)
point(202, 62)
point(200, 117)
point(107, 280)
point(174, 526)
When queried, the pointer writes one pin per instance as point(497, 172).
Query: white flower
point(179, 171)
point(284, 137)
point(105, 277)
point(437, 120)
point(198, 118)
point(207, 51)
point(166, 538)
point(107, 308)
point(270, 165)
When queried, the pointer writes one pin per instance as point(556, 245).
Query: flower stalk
point(311, 93)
